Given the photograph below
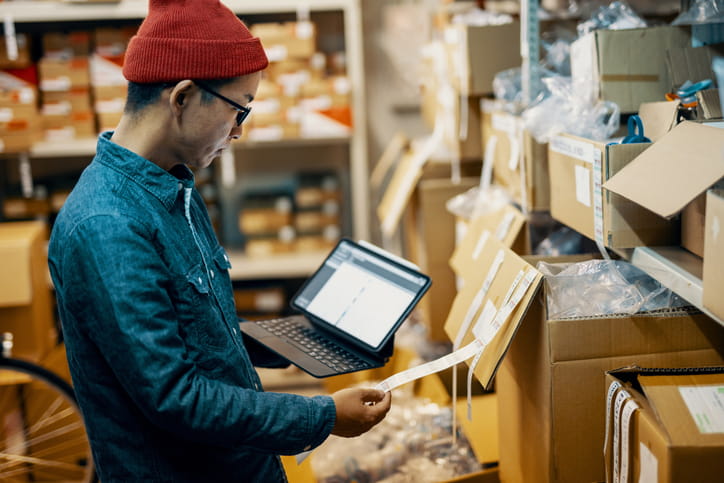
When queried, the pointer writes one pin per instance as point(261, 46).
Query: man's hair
point(141, 96)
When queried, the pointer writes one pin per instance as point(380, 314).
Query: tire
point(42, 435)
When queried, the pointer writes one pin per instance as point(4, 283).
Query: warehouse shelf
point(77, 10)
point(286, 265)
point(87, 146)
point(675, 268)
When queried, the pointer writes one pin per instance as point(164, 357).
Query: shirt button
point(212, 273)
point(200, 281)
point(234, 329)
point(180, 186)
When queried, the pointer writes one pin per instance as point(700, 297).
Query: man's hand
point(358, 410)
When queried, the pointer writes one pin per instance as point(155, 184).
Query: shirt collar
point(164, 185)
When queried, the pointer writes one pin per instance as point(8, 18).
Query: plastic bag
point(603, 287)
point(562, 111)
point(701, 12)
point(615, 16)
point(476, 201)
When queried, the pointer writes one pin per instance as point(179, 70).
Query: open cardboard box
point(549, 384)
point(673, 175)
point(667, 425)
point(573, 180)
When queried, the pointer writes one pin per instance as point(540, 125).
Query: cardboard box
point(601, 71)
point(61, 74)
point(676, 170)
point(665, 425)
point(518, 159)
point(490, 306)
point(26, 305)
point(477, 53)
point(429, 242)
point(508, 225)
point(623, 223)
point(713, 279)
point(22, 56)
point(290, 40)
point(549, 384)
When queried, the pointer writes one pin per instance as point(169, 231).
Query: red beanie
point(191, 39)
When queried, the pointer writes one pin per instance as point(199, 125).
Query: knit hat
point(191, 39)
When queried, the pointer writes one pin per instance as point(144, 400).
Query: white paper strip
point(612, 388)
point(628, 410)
point(432, 367)
point(618, 404)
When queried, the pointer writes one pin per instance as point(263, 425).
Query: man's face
point(211, 126)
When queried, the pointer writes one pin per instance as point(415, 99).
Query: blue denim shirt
point(162, 374)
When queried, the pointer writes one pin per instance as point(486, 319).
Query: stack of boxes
point(108, 85)
point(19, 116)
point(64, 72)
point(305, 92)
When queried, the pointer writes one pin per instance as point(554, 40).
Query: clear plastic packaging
point(508, 88)
point(562, 111)
point(603, 287)
point(615, 16)
point(702, 12)
point(412, 444)
point(477, 201)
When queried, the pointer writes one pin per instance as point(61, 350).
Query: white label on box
point(305, 30)
point(110, 105)
point(648, 465)
point(342, 85)
point(269, 133)
point(62, 108)
point(276, 53)
point(55, 85)
point(267, 106)
point(504, 226)
point(6, 114)
point(480, 244)
point(572, 148)
point(706, 405)
point(583, 185)
point(27, 95)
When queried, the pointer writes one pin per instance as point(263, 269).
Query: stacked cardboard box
point(19, 116)
point(108, 85)
point(64, 71)
point(303, 95)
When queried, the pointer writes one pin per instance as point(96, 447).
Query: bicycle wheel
point(42, 435)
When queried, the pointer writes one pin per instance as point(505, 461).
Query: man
point(162, 375)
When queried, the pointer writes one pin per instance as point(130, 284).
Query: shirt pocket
point(205, 326)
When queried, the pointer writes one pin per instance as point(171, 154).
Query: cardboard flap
point(674, 170)
point(503, 273)
point(658, 118)
point(504, 224)
point(16, 251)
point(398, 192)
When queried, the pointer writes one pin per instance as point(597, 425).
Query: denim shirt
point(163, 376)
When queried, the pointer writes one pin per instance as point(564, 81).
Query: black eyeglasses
point(241, 111)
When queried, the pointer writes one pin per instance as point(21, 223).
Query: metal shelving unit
point(32, 11)
point(676, 269)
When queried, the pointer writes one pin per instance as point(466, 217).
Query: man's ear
point(178, 95)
